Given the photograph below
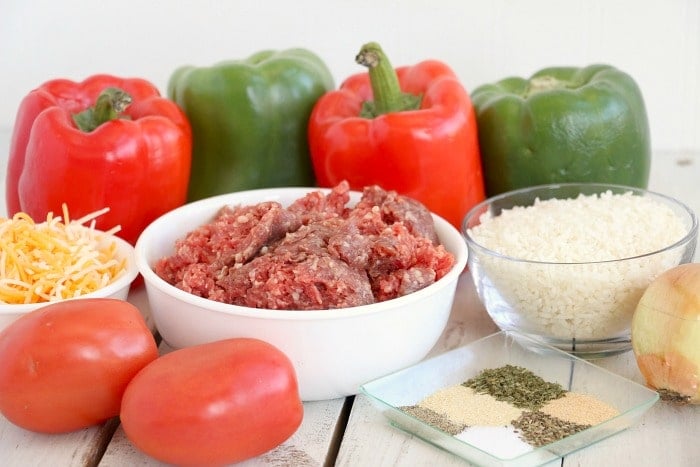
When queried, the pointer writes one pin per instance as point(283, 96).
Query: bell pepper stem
point(388, 96)
point(109, 106)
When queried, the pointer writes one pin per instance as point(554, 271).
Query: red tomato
point(213, 404)
point(65, 366)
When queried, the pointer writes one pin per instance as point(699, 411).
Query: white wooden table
point(350, 432)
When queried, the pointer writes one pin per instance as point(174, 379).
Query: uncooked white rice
point(592, 299)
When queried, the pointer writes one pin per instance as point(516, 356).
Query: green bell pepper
point(564, 124)
point(249, 120)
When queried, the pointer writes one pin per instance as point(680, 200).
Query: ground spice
point(432, 418)
point(464, 406)
point(516, 385)
point(580, 408)
point(539, 429)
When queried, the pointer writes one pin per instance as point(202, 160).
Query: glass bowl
point(391, 393)
point(583, 306)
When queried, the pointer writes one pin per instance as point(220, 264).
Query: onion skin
point(666, 334)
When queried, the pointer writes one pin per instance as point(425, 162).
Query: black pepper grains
point(439, 421)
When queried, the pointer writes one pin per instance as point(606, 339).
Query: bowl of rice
point(58, 259)
point(349, 285)
point(568, 263)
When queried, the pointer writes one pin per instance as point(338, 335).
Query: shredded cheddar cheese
point(56, 259)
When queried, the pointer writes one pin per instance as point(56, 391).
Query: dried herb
point(539, 429)
point(516, 385)
point(439, 421)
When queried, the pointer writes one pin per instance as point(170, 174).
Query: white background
point(655, 41)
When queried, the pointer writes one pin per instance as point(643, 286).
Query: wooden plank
point(306, 448)
point(19, 447)
point(370, 440)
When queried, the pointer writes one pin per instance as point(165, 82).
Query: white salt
point(499, 441)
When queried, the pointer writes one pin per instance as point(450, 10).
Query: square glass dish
point(502, 445)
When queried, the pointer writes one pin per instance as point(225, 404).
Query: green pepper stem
point(388, 96)
point(109, 106)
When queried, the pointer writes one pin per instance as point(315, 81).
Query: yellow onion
point(666, 334)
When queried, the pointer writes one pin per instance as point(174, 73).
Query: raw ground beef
point(317, 253)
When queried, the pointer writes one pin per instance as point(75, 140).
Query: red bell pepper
point(130, 153)
point(418, 137)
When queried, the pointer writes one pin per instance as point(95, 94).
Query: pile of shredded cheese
point(56, 259)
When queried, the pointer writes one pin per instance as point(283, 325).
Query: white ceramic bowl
point(584, 308)
point(118, 289)
point(333, 351)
